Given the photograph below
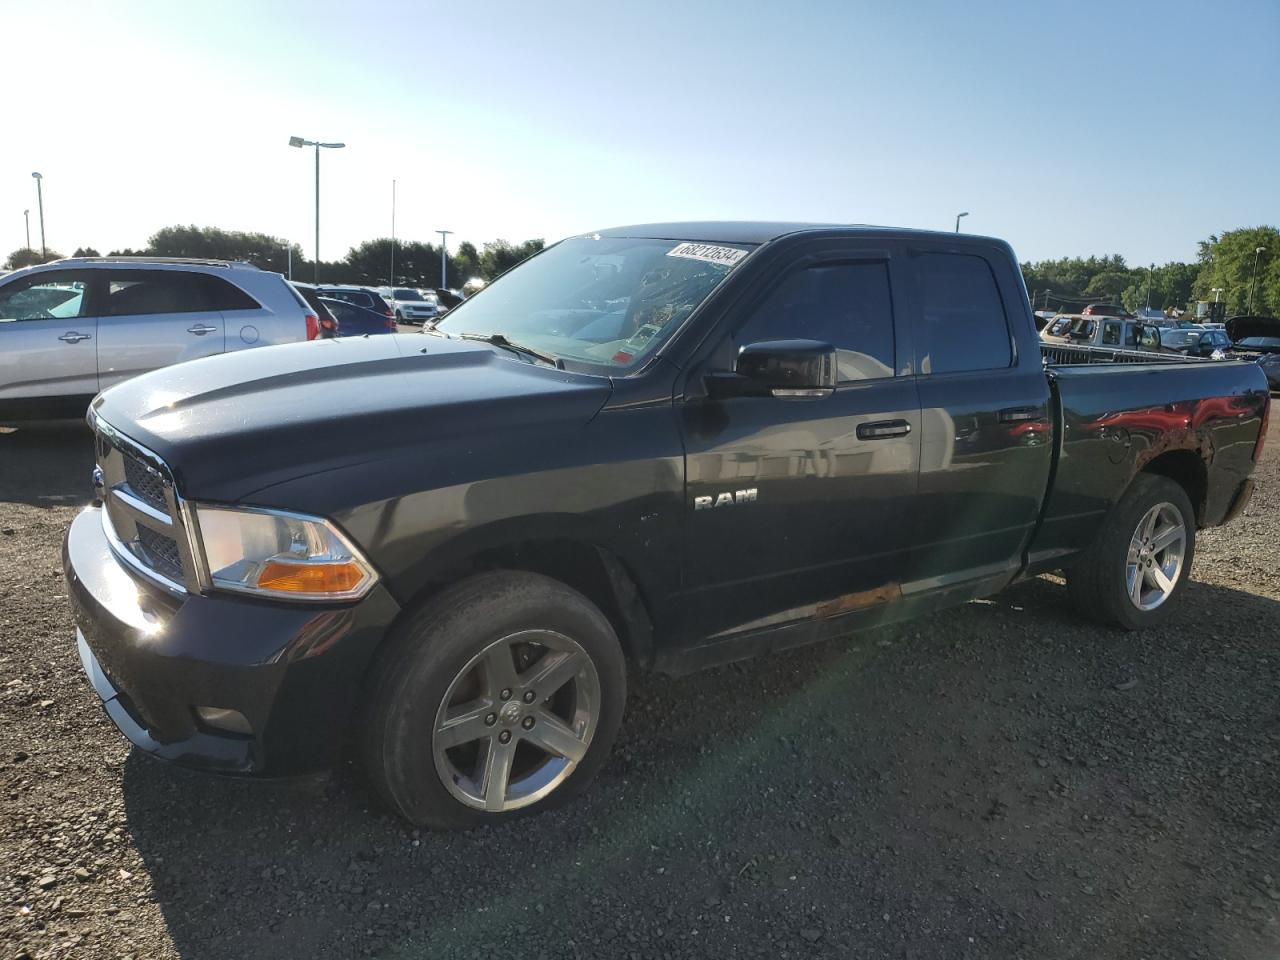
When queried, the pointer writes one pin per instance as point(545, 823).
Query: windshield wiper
point(499, 340)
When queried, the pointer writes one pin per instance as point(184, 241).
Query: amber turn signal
point(310, 577)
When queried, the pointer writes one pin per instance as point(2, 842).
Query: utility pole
point(299, 142)
point(444, 243)
point(1253, 280)
point(40, 196)
point(393, 233)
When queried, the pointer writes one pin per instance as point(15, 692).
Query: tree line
point(1225, 263)
point(417, 264)
point(1248, 280)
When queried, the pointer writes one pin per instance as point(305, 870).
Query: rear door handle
point(1021, 414)
point(71, 336)
point(883, 429)
point(200, 329)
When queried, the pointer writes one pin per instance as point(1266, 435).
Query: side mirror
point(778, 368)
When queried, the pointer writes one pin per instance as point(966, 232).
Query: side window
point(133, 292)
point(964, 326)
point(1131, 334)
point(847, 305)
point(222, 295)
point(51, 295)
point(1111, 333)
point(1148, 337)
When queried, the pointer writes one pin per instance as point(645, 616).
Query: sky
point(1069, 128)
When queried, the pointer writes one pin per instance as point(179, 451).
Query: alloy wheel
point(516, 720)
point(1156, 553)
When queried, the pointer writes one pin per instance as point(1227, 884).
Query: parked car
point(1270, 364)
point(355, 321)
point(1076, 329)
point(1196, 342)
point(410, 305)
point(73, 327)
point(452, 544)
point(324, 316)
point(361, 296)
point(1106, 310)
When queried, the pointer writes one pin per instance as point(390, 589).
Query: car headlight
point(272, 553)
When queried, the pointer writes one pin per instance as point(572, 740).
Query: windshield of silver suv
point(406, 294)
point(605, 301)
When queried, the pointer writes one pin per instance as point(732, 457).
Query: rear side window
point(847, 305)
point(225, 295)
point(358, 297)
point(145, 292)
point(964, 326)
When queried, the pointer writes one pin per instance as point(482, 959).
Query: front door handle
point(71, 336)
point(883, 429)
point(200, 329)
point(1021, 414)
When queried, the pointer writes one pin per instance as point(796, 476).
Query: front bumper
point(293, 671)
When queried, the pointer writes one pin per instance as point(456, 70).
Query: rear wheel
point(502, 696)
point(1142, 559)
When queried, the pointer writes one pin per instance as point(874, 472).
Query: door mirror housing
point(778, 368)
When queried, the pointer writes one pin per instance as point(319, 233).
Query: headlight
point(269, 553)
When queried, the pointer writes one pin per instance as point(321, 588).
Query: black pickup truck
point(662, 446)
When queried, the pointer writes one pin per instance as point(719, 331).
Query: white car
point(410, 305)
point(71, 328)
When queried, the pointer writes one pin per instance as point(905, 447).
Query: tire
point(1101, 582)
point(442, 678)
point(399, 317)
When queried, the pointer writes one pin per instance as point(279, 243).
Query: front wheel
point(1139, 564)
point(501, 696)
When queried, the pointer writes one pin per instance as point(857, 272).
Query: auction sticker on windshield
point(727, 256)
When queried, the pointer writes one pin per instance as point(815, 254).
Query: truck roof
point(762, 231)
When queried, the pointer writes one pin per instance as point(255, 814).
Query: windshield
point(1260, 342)
point(407, 294)
point(605, 301)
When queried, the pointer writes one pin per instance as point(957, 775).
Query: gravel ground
point(1000, 780)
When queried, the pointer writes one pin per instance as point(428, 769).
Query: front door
point(154, 318)
point(799, 508)
point(48, 345)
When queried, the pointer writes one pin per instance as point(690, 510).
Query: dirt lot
point(996, 781)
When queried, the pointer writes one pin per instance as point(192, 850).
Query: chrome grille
point(141, 511)
point(145, 482)
point(161, 552)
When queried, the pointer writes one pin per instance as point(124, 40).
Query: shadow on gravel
point(999, 780)
point(46, 464)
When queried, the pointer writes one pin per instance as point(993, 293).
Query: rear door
point(154, 318)
point(796, 506)
point(48, 344)
point(985, 432)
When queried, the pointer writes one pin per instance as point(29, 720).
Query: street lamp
point(958, 216)
point(26, 215)
point(393, 234)
point(1216, 291)
point(1253, 280)
point(444, 242)
point(1149, 273)
point(299, 142)
point(40, 197)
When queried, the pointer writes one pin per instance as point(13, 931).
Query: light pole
point(1150, 271)
point(40, 197)
point(299, 142)
point(26, 215)
point(393, 234)
point(444, 242)
point(1253, 280)
point(1216, 291)
point(958, 216)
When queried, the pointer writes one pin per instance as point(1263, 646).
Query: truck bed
point(1201, 418)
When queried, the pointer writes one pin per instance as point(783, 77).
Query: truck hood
point(232, 424)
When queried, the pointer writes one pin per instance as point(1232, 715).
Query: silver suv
point(71, 328)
